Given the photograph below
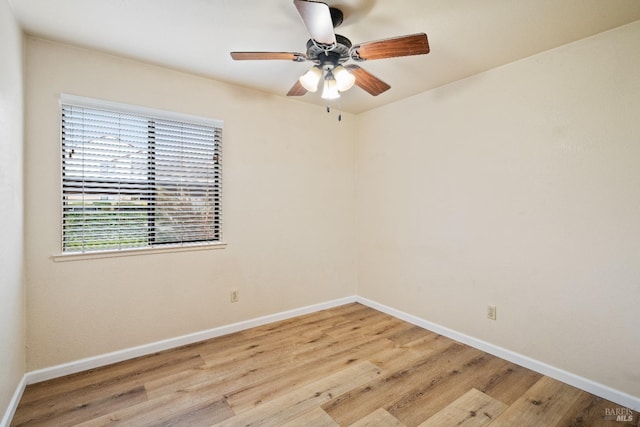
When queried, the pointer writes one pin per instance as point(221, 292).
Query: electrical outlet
point(491, 312)
point(235, 295)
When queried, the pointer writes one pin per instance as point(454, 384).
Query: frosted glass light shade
point(330, 90)
point(310, 79)
point(344, 79)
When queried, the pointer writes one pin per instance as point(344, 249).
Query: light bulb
point(310, 79)
point(344, 79)
point(330, 90)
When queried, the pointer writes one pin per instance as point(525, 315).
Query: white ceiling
point(466, 36)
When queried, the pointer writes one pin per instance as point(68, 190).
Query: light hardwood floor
point(350, 365)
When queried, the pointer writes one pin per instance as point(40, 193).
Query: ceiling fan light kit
point(329, 51)
point(330, 89)
point(311, 78)
point(344, 79)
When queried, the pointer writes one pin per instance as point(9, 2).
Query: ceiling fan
point(329, 51)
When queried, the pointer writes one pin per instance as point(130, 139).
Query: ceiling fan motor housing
point(329, 57)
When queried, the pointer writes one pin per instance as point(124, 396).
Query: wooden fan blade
point(415, 44)
point(291, 56)
point(297, 89)
point(368, 81)
point(317, 18)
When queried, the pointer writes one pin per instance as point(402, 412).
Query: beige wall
point(518, 187)
point(288, 213)
point(12, 304)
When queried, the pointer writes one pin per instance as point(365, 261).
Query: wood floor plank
point(509, 383)
point(378, 418)
point(65, 412)
point(161, 410)
point(411, 334)
point(382, 325)
point(246, 397)
point(354, 320)
point(202, 414)
point(385, 390)
point(316, 418)
point(473, 409)
point(425, 399)
point(243, 367)
point(545, 403)
point(295, 403)
point(408, 354)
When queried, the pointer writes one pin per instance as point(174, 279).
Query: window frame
point(147, 113)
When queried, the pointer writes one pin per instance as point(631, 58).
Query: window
point(138, 178)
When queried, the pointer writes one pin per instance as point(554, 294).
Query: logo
point(618, 414)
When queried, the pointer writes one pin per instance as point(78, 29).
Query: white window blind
point(138, 180)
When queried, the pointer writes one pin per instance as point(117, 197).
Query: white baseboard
point(616, 396)
point(129, 353)
point(13, 404)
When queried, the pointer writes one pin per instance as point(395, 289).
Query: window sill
point(77, 256)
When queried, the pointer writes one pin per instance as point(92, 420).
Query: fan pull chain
point(339, 112)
